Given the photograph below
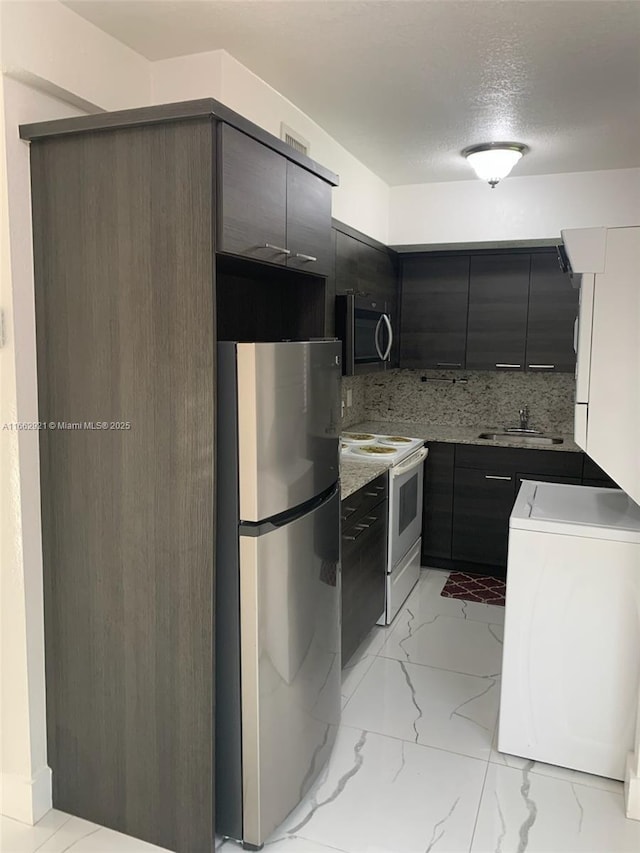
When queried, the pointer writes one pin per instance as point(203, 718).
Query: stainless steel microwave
point(364, 327)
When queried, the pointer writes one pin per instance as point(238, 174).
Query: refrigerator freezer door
point(290, 656)
point(288, 424)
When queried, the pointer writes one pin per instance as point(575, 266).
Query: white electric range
point(404, 457)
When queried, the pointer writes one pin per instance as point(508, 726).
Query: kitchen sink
point(521, 439)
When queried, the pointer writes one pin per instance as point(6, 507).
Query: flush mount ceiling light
point(492, 161)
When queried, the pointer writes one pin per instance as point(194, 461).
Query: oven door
point(405, 505)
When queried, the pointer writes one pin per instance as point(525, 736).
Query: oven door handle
point(414, 461)
point(376, 337)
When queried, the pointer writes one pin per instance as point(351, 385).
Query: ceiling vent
point(293, 138)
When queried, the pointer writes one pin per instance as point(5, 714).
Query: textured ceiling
point(406, 84)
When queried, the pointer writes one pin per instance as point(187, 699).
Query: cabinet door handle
point(541, 366)
point(358, 531)
point(501, 364)
point(279, 249)
point(496, 477)
point(371, 494)
point(304, 257)
point(450, 364)
point(371, 519)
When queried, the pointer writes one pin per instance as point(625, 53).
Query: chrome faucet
point(524, 418)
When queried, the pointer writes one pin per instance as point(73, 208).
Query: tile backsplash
point(485, 399)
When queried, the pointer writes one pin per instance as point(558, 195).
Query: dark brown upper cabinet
point(434, 301)
point(368, 268)
point(498, 302)
point(271, 209)
point(553, 307)
point(308, 221)
point(364, 269)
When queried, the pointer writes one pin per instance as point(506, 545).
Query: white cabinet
point(607, 422)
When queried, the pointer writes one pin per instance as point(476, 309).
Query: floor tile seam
point(548, 775)
point(453, 617)
point(321, 843)
point(475, 823)
point(440, 668)
point(412, 742)
point(55, 832)
point(353, 692)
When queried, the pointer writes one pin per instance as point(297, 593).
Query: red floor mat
point(480, 588)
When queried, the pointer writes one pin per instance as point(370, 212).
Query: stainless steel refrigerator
point(278, 579)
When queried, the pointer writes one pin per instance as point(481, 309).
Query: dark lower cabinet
point(482, 503)
point(437, 526)
point(364, 552)
point(469, 492)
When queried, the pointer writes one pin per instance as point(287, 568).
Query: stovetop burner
point(369, 447)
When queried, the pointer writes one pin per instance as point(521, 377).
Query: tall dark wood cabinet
point(124, 230)
point(124, 271)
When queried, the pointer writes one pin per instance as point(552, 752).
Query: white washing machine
point(571, 659)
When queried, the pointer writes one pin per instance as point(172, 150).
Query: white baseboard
point(632, 789)
point(26, 799)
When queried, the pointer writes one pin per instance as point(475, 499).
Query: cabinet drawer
point(363, 501)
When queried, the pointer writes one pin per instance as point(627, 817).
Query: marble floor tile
point(81, 836)
point(521, 810)
point(425, 601)
point(16, 837)
point(446, 642)
point(352, 675)
point(573, 776)
point(382, 795)
point(424, 705)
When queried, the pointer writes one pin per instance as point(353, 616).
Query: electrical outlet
point(349, 397)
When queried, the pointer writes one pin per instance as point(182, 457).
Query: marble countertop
point(355, 475)
point(458, 434)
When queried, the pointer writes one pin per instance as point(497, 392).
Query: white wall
point(26, 785)
point(525, 208)
point(45, 43)
point(185, 78)
point(361, 200)
point(70, 66)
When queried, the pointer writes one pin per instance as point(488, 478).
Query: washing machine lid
point(576, 511)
